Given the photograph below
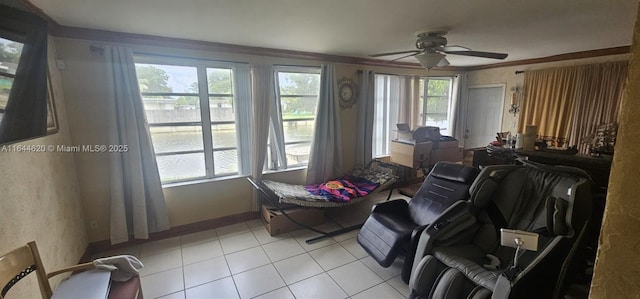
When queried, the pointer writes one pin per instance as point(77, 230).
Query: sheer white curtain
point(277, 150)
point(460, 95)
point(137, 201)
point(262, 91)
point(397, 100)
point(409, 101)
point(387, 93)
point(325, 157)
point(242, 104)
point(366, 105)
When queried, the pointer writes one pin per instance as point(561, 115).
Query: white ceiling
point(524, 29)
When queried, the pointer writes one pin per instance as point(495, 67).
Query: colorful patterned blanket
point(365, 180)
point(343, 190)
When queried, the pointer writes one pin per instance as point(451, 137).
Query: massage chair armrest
point(455, 219)
point(411, 251)
point(396, 206)
point(441, 228)
point(413, 243)
point(415, 234)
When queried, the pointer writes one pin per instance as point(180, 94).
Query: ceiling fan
point(432, 47)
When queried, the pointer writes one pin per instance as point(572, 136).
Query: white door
point(484, 115)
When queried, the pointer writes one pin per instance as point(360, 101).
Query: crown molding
point(160, 41)
point(560, 57)
point(52, 24)
point(58, 30)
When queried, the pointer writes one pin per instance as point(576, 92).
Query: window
point(434, 107)
point(297, 90)
point(191, 109)
point(435, 103)
point(386, 113)
point(9, 57)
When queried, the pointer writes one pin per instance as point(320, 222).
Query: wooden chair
point(20, 262)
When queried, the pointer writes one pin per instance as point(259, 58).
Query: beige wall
point(186, 203)
point(507, 76)
point(617, 270)
point(40, 200)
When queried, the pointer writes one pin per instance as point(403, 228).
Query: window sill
point(224, 178)
point(201, 181)
point(297, 168)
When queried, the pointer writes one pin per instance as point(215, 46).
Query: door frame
point(502, 85)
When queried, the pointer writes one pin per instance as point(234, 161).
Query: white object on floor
point(123, 266)
point(91, 284)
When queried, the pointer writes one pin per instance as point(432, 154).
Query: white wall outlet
point(60, 64)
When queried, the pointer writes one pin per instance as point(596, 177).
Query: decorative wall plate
point(348, 92)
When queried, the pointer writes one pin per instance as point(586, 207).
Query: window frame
point(205, 123)
point(17, 38)
point(385, 111)
point(274, 163)
point(424, 96)
point(383, 95)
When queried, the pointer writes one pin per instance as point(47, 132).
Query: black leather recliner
point(393, 228)
point(461, 256)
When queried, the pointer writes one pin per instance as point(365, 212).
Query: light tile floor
point(243, 261)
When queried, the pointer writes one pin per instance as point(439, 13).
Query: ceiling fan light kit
point(432, 47)
point(429, 60)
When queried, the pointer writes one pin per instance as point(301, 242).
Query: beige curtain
point(548, 102)
point(598, 100)
point(408, 102)
point(568, 103)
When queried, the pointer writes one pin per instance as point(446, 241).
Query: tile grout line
point(183, 265)
point(325, 270)
point(371, 287)
point(334, 281)
point(281, 277)
point(184, 280)
point(254, 232)
point(224, 255)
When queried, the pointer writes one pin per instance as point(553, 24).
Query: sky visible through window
point(181, 79)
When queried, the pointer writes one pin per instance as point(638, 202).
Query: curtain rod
point(179, 57)
point(100, 50)
point(437, 76)
point(95, 49)
point(297, 65)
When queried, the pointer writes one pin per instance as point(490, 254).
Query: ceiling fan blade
point(454, 48)
point(479, 54)
point(395, 53)
point(405, 56)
